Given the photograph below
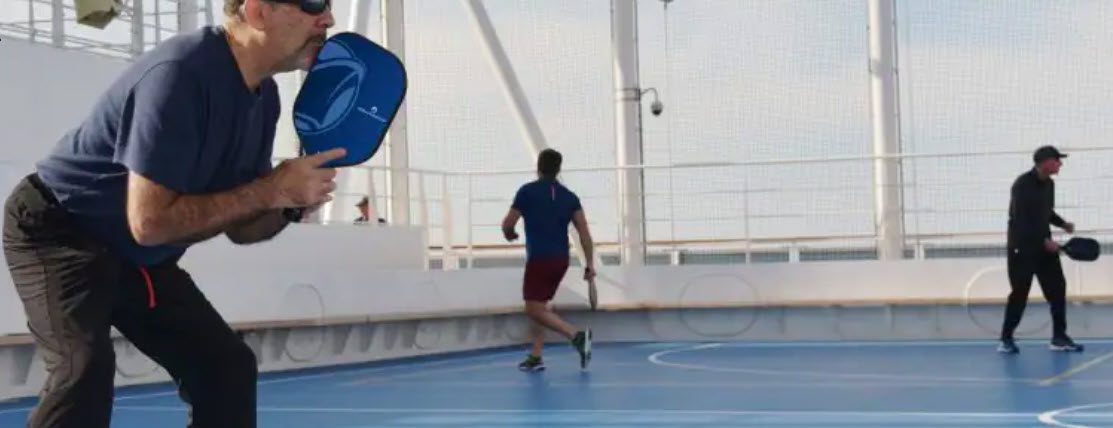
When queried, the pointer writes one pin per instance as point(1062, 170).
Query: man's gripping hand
point(301, 182)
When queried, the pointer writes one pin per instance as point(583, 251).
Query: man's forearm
point(193, 216)
point(260, 228)
point(1056, 220)
point(589, 250)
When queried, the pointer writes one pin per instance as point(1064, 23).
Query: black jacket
point(1031, 210)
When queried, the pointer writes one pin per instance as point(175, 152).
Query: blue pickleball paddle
point(349, 98)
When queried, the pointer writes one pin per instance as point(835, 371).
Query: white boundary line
point(837, 384)
point(811, 413)
point(991, 344)
point(656, 358)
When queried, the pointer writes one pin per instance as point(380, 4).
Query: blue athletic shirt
point(547, 208)
point(180, 115)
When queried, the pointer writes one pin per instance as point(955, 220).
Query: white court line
point(1076, 369)
point(992, 344)
point(703, 385)
point(1051, 417)
point(326, 374)
point(389, 379)
point(655, 358)
point(809, 413)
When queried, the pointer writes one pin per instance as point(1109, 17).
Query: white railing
point(140, 25)
point(787, 209)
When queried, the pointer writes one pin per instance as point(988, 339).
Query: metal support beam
point(888, 204)
point(511, 88)
point(628, 132)
point(394, 32)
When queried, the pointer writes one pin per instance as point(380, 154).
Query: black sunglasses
point(312, 7)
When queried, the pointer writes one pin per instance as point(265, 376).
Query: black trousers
point(74, 290)
point(1046, 267)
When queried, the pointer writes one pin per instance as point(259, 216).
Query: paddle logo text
point(373, 112)
point(332, 91)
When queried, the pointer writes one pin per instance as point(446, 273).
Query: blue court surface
point(829, 384)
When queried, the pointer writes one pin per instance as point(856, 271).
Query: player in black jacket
point(1031, 251)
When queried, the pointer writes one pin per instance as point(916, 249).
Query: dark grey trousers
point(74, 290)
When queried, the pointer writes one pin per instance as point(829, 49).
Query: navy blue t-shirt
point(180, 115)
point(547, 208)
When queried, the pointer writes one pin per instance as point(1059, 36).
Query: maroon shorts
point(542, 278)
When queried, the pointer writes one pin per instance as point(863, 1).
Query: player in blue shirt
point(176, 151)
point(547, 208)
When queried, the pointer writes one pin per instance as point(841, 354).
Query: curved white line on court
point(1050, 418)
point(970, 314)
point(655, 358)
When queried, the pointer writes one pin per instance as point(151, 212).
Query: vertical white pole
point(137, 47)
point(208, 12)
point(187, 15)
point(624, 16)
point(352, 182)
point(359, 17)
point(373, 196)
point(448, 256)
point(31, 20)
point(888, 210)
point(394, 31)
point(423, 205)
point(158, 22)
point(57, 24)
point(467, 221)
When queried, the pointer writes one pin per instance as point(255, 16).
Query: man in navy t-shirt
point(547, 208)
point(176, 151)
